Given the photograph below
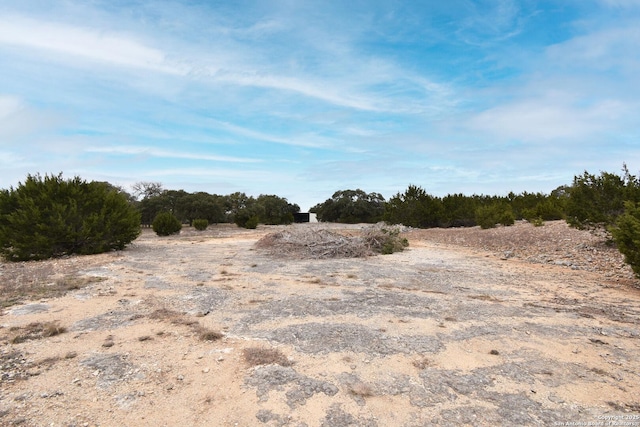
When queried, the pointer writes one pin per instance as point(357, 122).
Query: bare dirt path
point(456, 330)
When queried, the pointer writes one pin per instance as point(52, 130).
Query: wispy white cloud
point(301, 140)
point(543, 120)
point(103, 46)
point(170, 154)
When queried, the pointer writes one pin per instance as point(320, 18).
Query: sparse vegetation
point(16, 287)
point(255, 356)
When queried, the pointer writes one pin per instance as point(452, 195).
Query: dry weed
point(35, 331)
point(361, 389)
point(176, 318)
point(206, 334)
point(172, 317)
point(255, 356)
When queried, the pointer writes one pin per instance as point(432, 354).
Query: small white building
point(305, 217)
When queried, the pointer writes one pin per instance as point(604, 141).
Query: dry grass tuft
point(35, 331)
point(361, 389)
point(206, 334)
point(255, 356)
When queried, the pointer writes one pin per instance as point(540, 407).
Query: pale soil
point(512, 326)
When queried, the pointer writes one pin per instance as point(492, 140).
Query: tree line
point(591, 200)
point(151, 198)
point(49, 216)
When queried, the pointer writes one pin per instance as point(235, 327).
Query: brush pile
point(319, 243)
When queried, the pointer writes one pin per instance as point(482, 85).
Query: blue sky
point(304, 98)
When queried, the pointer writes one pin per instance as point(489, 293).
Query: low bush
point(200, 224)
point(166, 224)
point(246, 218)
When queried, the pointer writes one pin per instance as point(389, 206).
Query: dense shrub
point(626, 235)
point(242, 217)
point(414, 208)
point(489, 216)
point(252, 222)
point(200, 224)
point(597, 200)
point(166, 223)
point(51, 217)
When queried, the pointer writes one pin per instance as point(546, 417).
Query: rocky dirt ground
point(513, 326)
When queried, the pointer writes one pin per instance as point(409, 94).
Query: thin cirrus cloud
point(124, 51)
point(155, 152)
